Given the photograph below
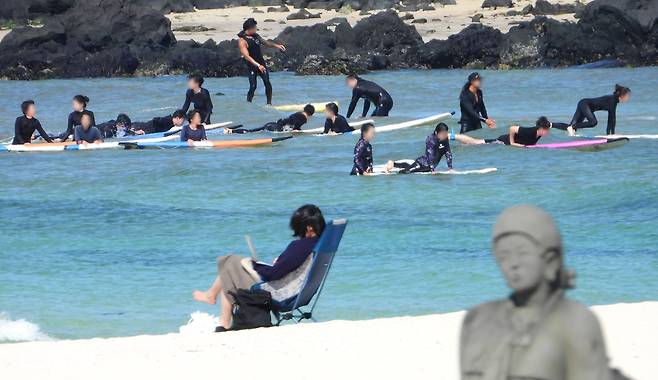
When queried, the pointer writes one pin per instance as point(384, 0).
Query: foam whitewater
point(19, 330)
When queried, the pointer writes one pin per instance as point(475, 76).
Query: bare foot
point(571, 131)
point(204, 297)
point(389, 166)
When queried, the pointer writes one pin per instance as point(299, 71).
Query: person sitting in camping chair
point(236, 272)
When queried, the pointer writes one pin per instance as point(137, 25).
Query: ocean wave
point(19, 330)
point(199, 323)
point(644, 118)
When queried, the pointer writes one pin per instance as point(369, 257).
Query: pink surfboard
point(576, 144)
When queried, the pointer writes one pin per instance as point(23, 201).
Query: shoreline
point(421, 347)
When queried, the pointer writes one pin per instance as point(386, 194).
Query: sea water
point(112, 243)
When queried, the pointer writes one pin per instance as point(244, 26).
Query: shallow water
point(112, 243)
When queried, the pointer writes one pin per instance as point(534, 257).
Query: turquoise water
point(112, 243)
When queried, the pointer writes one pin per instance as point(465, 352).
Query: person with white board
point(292, 123)
point(437, 146)
point(335, 123)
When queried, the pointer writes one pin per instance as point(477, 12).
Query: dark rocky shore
point(97, 38)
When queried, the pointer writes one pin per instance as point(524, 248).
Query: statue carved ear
point(553, 266)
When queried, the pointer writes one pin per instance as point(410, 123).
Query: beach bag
point(251, 309)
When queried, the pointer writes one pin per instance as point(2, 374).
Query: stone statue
point(536, 333)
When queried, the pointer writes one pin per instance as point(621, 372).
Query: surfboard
point(631, 137)
point(381, 170)
point(353, 124)
point(397, 126)
point(216, 144)
point(319, 107)
point(208, 127)
point(593, 144)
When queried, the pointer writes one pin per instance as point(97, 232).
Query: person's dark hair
point(178, 114)
point(197, 78)
point(365, 128)
point(82, 100)
point(543, 122)
point(249, 23)
point(307, 216)
point(25, 105)
point(333, 107)
point(352, 76)
point(621, 90)
point(190, 115)
point(124, 119)
point(471, 78)
point(441, 127)
point(309, 109)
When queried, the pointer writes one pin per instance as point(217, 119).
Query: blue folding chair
point(323, 256)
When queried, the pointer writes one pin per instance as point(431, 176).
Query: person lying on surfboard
point(160, 124)
point(27, 124)
point(292, 123)
point(86, 132)
point(195, 130)
point(363, 151)
point(335, 123)
point(437, 145)
point(517, 136)
point(371, 92)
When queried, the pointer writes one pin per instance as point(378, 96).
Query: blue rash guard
point(295, 254)
point(362, 157)
point(197, 134)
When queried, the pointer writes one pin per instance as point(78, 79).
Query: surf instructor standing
point(249, 43)
point(371, 92)
point(471, 102)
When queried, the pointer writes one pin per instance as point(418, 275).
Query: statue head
point(528, 249)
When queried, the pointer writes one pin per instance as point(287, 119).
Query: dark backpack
point(251, 309)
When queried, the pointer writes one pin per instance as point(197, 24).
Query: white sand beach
point(423, 347)
point(441, 23)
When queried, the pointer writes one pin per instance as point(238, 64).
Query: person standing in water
point(585, 118)
point(471, 103)
point(194, 131)
point(198, 96)
point(249, 43)
point(335, 123)
point(437, 145)
point(86, 132)
point(363, 151)
point(536, 332)
point(292, 123)
point(79, 109)
point(517, 136)
point(26, 125)
point(371, 92)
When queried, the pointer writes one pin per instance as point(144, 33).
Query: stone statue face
point(521, 261)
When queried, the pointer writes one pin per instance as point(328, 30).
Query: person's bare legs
point(468, 140)
point(226, 312)
point(210, 295)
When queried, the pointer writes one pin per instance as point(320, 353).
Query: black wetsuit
point(371, 93)
point(362, 157)
point(525, 136)
point(253, 46)
point(202, 103)
point(293, 122)
point(24, 129)
point(156, 125)
point(474, 112)
point(340, 125)
point(435, 149)
point(586, 109)
point(74, 121)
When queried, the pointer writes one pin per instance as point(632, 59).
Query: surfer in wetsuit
point(194, 131)
point(371, 92)
point(335, 123)
point(437, 145)
point(585, 118)
point(198, 96)
point(292, 123)
point(517, 136)
point(471, 103)
point(79, 109)
point(161, 124)
point(535, 332)
point(120, 127)
point(363, 151)
point(26, 125)
point(249, 43)
point(86, 132)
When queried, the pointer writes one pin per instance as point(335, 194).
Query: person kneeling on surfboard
point(86, 133)
point(437, 145)
point(292, 123)
point(517, 136)
point(26, 125)
point(335, 123)
point(371, 92)
point(235, 272)
point(195, 130)
point(363, 151)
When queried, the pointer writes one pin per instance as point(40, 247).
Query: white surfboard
point(381, 170)
point(319, 106)
point(397, 126)
point(353, 124)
